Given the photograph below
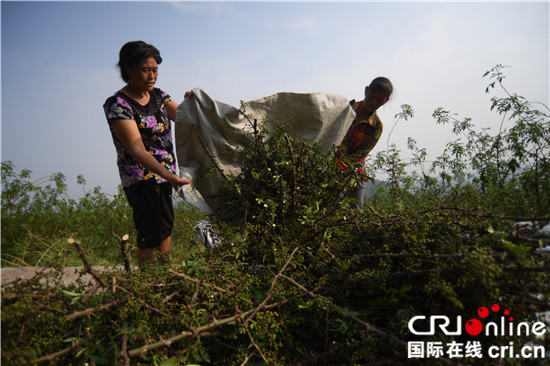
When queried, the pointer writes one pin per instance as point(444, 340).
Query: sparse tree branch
point(87, 264)
point(210, 155)
point(53, 356)
point(87, 312)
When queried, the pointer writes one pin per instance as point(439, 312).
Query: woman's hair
point(134, 53)
point(381, 85)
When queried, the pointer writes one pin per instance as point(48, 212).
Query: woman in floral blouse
point(365, 132)
point(139, 120)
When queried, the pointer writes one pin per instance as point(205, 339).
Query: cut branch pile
point(300, 279)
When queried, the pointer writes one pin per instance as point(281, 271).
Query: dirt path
point(10, 275)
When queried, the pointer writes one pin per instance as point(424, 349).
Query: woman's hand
point(172, 106)
point(176, 181)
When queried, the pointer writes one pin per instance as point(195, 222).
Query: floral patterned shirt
point(360, 139)
point(154, 126)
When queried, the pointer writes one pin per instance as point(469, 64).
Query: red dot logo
point(483, 312)
point(507, 312)
point(473, 327)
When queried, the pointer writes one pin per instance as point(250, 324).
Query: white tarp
point(209, 133)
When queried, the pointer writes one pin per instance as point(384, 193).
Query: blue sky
point(58, 65)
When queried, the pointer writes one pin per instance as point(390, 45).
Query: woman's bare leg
point(145, 256)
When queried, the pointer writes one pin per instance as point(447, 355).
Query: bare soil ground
point(11, 275)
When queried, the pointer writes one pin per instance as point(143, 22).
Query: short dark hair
point(381, 85)
point(134, 53)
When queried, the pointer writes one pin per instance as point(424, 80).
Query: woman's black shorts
point(153, 212)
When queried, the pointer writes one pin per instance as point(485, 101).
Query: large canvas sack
point(208, 134)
